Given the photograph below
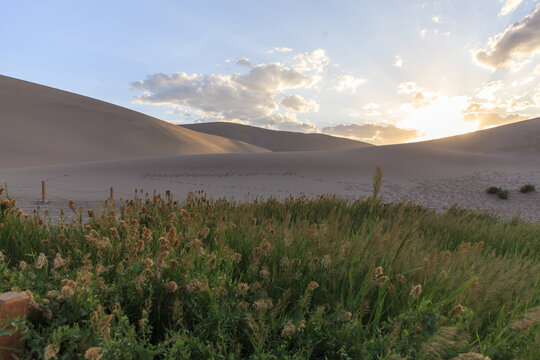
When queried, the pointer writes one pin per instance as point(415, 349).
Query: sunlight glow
point(440, 118)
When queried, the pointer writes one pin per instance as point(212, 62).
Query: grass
point(300, 278)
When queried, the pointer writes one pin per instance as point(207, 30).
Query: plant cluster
point(527, 188)
point(301, 278)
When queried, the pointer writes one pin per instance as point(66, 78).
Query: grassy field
point(293, 279)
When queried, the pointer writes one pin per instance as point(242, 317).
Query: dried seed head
point(471, 356)
point(171, 287)
point(288, 331)
point(41, 261)
point(378, 271)
point(241, 289)
point(93, 353)
point(50, 351)
point(312, 286)
point(457, 311)
point(416, 291)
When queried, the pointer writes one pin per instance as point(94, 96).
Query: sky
point(384, 72)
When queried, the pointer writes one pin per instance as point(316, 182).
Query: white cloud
point(287, 121)
point(348, 83)
point(299, 104)
point(513, 47)
point(487, 91)
point(436, 19)
point(423, 33)
point(407, 87)
point(373, 133)
point(237, 96)
point(279, 50)
point(243, 62)
point(509, 6)
point(398, 61)
point(316, 61)
point(536, 70)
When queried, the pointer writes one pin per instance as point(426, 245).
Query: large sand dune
point(275, 140)
point(40, 125)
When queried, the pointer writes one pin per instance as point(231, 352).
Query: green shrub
point(493, 190)
point(527, 188)
point(502, 194)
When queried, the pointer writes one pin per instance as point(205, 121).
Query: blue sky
point(385, 72)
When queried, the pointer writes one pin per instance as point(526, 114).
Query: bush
point(503, 194)
point(527, 188)
point(492, 190)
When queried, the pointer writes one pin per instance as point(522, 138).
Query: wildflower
point(58, 261)
point(302, 325)
point(345, 316)
point(257, 252)
point(41, 261)
point(288, 331)
point(401, 278)
point(68, 291)
point(457, 311)
point(90, 213)
point(50, 351)
point(312, 286)
point(171, 287)
point(241, 289)
point(93, 353)
point(72, 205)
point(204, 233)
point(147, 235)
point(237, 258)
point(416, 291)
point(22, 265)
point(380, 281)
point(378, 271)
point(266, 246)
point(242, 306)
point(262, 305)
point(149, 262)
point(264, 274)
point(195, 286)
point(212, 262)
point(326, 261)
point(174, 263)
point(99, 269)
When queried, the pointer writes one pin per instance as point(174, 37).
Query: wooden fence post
point(43, 191)
point(112, 194)
point(12, 305)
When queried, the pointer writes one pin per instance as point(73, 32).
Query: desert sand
point(44, 126)
point(275, 140)
point(129, 150)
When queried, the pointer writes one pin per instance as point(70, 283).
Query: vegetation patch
point(528, 188)
point(301, 278)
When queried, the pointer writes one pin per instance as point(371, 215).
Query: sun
point(440, 117)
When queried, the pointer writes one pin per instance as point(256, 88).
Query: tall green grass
point(301, 278)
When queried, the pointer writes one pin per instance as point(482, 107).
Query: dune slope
point(274, 140)
point(44, 126)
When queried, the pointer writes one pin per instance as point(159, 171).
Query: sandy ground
point(430, 179)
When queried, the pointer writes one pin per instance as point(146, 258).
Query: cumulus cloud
point(348, 83)
point(287, 121)
point(488, 118)
point(299, 104)
point(250, 97)
point(237, 96)
point(513, 47)
point(372, 109)
point(243, 62)
point(374, 133)
point(420, 97)
point(316, 61)
point(398, 62)
point(509, 6)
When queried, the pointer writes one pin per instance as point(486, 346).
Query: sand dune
point(274, 140)
point(43, 126)
point(428, 173)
